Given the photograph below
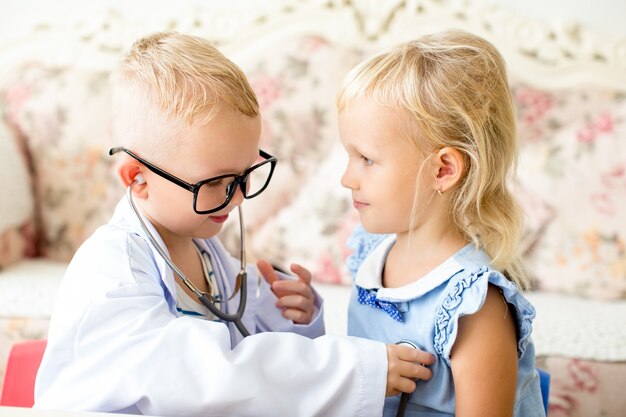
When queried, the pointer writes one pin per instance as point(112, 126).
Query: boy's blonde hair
point(453, 88)
point(169, 80)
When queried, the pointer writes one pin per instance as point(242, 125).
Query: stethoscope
point(404, 398)
point(205, 298)
point(240, 285)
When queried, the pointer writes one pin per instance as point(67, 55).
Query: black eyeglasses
point(213, 194)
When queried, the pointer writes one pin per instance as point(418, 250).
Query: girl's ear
point(450, 166)
point(128, 171)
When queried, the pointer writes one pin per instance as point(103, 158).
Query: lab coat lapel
point(167, 275)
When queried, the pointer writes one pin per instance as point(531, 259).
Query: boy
point(128, 334)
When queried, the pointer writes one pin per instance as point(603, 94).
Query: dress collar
point(369, 275)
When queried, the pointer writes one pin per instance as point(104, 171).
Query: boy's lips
point(219, 219)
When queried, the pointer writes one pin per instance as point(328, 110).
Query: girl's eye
point(366, 160)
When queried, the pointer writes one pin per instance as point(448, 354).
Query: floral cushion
point(63, 116)
point(574, 160)
point(296, 80)
point(17, 202)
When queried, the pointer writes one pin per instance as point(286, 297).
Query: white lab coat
point(116, 343)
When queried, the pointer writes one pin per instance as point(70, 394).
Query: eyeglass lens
point(217, 193)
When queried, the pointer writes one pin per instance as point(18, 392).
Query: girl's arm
point(484, 360)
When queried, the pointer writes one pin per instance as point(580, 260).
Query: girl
point(430, 134)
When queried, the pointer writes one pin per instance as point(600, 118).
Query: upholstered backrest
point(569, 86)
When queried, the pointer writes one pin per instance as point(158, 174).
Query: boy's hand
point(403, 368)
point(295, 297)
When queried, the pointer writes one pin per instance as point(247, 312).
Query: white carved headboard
point(546, 55)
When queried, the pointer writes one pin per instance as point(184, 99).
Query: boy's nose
point(237, 197)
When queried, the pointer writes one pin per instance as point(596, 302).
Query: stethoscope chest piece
point(404, 399)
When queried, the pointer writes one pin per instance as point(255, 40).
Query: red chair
point(18, 388)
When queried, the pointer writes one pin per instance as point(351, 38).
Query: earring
point(438, 187)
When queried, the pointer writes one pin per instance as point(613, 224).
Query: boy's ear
point(450, 167)
point(128, 171)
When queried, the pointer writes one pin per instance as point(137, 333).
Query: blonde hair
point(453, 87)
point(174, 79)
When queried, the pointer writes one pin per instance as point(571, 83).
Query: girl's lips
point(219, 219)
point(357, 204)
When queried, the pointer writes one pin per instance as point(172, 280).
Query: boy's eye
point(215, 183)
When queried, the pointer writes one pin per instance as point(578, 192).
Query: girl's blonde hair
point(177, 78)
point(453, 88)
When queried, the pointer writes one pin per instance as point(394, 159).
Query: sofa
point(569, 87)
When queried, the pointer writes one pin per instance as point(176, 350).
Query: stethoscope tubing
point(404, 398)
point(235, 318)
point(232, 318)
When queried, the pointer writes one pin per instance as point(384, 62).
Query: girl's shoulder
point(466, 292)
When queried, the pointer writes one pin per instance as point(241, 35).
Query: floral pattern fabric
point(573, 158)
point(62, 119)
point(584, 388)
point(16, 203)
point(16, 244)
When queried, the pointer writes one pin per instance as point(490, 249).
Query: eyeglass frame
point(238, 180)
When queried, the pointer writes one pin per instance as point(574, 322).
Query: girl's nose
point(347, 180)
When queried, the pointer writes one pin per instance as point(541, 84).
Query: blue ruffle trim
point(362, 242)
point(448, 312)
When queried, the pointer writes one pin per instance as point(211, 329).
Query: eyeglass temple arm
point(153, 168)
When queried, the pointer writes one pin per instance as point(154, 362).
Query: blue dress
point(426, 312)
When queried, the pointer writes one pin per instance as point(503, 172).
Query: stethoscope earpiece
point(139, 179)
